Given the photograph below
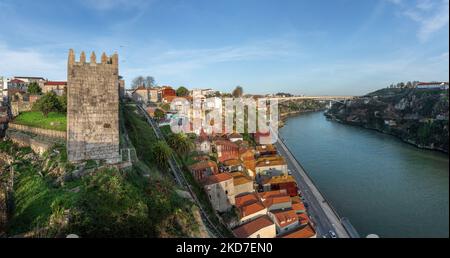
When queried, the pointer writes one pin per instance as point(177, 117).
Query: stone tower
point(93, 108)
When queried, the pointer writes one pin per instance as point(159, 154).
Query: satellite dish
point(373, 236)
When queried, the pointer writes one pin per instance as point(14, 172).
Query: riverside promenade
point(322, 214)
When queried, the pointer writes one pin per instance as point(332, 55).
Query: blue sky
point(342, 47)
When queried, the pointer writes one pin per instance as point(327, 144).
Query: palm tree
point(161, 152)
point(180, 143)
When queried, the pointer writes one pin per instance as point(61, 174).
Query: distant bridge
point(325, 98)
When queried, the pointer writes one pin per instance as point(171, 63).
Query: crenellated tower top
point(105, 60)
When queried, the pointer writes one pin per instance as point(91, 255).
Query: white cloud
point(28, 62)
point(179, 61)
point(431, 16)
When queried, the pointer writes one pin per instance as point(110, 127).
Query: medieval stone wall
point(93, 109)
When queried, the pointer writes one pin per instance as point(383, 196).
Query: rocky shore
point(416, 116)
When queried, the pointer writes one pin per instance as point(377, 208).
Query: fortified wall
point(93, 108)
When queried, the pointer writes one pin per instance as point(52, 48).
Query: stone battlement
point(93, 108)
point(105, 60)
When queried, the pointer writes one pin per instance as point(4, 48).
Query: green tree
point(48, 103)
point(182, 91)
point(63, 103)
point(238, 92)
point(159, 114)
point(34, 89)
point(165, 107)
point(161, 153)
point(180, 143)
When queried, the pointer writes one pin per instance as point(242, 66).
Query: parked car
point(332, 234)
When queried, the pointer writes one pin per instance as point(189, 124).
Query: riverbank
point(373, 179)
point(405, 140)
point(416, 116)
point(285, 116)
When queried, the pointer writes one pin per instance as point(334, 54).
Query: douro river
point(383, 185)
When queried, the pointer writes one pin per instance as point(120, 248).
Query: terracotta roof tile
point(252, 227)
point(305, 232)
point(215, 179)
point(285, 218)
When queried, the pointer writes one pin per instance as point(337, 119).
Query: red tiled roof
point(251, 209)
point(252, 227)
point(215, 179)
point(271, 194)
point(298, 206)
point(203, 165)
point(303, 218)
point(17, 81)
point(246, 199)
point(285, 218)
point(140, 88)
point(55, 83)
point(227, 143)
point(305, 232)
point(276, 200)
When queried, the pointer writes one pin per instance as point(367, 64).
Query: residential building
point(155, 95)
point(278, 203)
point(226, 150)
point(303, 232)
point(3, 89)
point(167, 91)
point(285, 220)
point(30, 79)
point(141, 94)
point(266, 150)
point(202, 143)
point(262, 227)
point(16, 84)
point(243, 184)
point(283, 182)
point(203, 169)
point(58, 87)
point(249, 207)
point(432, 85)
point(297, 205)
point(234, 137)
point(247, 156)
point(232, 165)
point(271, 165)
point(220, 190)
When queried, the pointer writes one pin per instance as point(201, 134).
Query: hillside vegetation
point(417, 116)
point(53, 198)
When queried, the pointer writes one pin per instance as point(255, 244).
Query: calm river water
point(384, 186)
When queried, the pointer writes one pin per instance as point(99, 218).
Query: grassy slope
point(108, 203)
point(36, 119)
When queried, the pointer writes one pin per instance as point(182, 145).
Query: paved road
point(321, 213)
